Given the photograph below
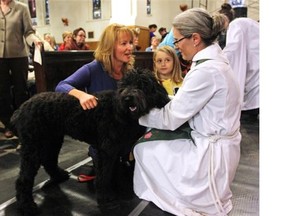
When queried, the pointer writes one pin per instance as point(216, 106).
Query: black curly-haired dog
point(111, 128)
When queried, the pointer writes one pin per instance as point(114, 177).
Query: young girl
point(167, 69)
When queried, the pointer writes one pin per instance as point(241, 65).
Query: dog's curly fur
point(111, 128)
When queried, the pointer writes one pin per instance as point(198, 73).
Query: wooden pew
point(56, 66)
point(144, 60)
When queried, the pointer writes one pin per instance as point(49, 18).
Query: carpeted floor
point(72, 198)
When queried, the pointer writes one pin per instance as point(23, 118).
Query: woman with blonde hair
point(167, 69)
point(67, 37)
point(51, 40)
point(115, 50)
point(113, 58)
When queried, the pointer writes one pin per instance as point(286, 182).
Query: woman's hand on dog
point(87, 101)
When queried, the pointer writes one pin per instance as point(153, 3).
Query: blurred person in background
point(242, 51)
point(67, 37)
point(136, 32)
point(163, 32)
point(78, 40)
point(228, 11)
point(51, 40)
point(16, 31)
point(154, 44)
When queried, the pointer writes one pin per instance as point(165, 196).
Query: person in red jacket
point(67, 37)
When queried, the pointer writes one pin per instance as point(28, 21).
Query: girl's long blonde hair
point(105, 49)
point(176, 72)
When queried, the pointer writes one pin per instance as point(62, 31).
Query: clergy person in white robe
point(242, 51)
point(183, 176)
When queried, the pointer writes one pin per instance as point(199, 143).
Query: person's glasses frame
point(175, 43)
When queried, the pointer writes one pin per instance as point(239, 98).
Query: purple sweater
point(90, 77)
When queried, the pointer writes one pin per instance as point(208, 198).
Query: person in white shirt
point(191, 173)
point(242, 51)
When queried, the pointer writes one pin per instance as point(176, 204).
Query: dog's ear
point(161, 96)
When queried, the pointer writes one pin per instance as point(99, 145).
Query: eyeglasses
point(177, 41)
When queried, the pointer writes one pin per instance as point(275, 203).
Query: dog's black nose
point(128, 98)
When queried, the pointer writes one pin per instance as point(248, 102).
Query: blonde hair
point(105, 49)
point(52, 41)
point(65, 34)
point(136, 31)
point(176, 72)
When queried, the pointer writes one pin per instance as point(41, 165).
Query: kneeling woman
point(192, 176)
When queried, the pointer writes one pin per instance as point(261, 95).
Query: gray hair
point(198, 20)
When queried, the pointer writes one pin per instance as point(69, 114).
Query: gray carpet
point(245, 186)
point(72, 198)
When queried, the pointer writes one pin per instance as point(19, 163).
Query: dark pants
point(250, 115)
point(13, 86)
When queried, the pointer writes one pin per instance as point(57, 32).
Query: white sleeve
point(197, 89)
point(236, 52)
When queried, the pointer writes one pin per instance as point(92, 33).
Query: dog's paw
point(28, 209)
point(61, 176)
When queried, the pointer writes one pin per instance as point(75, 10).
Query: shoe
point(8, 134)
point(85, 178)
